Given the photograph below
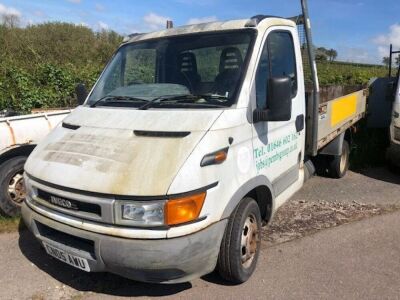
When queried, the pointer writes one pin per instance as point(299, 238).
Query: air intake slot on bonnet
point(70, 126)
point(166, 134)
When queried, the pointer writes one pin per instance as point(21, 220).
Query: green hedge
point(41, 65)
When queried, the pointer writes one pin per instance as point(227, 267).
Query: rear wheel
point(12, 188)
point(240, 245)
point(340, 164)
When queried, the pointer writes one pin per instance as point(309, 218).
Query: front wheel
point(12, 188)
point(240, 245)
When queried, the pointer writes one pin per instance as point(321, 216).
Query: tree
point(10, 20)
point(386, 61)
point(332, 54)
point(321, 54)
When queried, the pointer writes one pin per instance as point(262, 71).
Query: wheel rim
point(16, 188)
point(343, 161)
point(249, 241)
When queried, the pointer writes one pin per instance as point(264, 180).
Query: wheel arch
point(335, 147)
point(258, 188)
point(17, 150)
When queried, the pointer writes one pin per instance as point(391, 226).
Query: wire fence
point(333, 72)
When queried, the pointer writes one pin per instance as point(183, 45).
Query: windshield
point(195, 71)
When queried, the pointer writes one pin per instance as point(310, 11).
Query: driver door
point(278, 146)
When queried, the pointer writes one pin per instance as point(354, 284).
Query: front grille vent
point(69, 204)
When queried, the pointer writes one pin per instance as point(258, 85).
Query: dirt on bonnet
point(296, 219)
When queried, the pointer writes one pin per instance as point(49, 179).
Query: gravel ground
point(297, 219)
point(326, 202)
point(371, 186)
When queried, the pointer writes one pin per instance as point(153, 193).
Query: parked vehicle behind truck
point(393, 153)
point(19, 136)
point(189, 142)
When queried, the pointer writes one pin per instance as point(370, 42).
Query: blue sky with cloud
point(360, 30)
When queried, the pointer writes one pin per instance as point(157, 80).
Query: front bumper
point(163, 261)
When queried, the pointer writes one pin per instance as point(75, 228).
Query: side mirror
point(81, 93)
point(279, 101)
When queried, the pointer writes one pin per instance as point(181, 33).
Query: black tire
point(339, 165)
point(10, 202)
point(230, 265)
point(309, 170)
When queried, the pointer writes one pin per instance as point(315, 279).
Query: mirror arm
point(81, 93)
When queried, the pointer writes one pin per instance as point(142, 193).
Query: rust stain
point(114, 152)
point(164, 161)
point(14, 141)
point(48, 122)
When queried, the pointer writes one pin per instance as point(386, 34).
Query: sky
point(360, 30)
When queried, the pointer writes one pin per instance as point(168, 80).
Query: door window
point(277, 59)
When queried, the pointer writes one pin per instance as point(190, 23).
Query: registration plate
point(73, 260)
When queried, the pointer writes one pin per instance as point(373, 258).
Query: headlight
point(158, 213)
point(149, 213)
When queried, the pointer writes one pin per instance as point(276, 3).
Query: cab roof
point(259, 22)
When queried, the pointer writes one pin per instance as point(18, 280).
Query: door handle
point(299, 123)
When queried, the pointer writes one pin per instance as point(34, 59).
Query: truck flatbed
point(337, 115)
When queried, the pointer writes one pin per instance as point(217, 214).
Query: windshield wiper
point(207, 105)
point(213, 96)
point(167, 98)
point(111, 98)
point(178, 98)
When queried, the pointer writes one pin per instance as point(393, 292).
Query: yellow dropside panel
point(343, 109)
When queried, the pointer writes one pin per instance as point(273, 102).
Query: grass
point(8, 225)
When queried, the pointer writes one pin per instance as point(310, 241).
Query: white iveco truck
point(188, 143)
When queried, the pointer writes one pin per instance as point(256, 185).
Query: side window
point(277, 59)
point(282, 57)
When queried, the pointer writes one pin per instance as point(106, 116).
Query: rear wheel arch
point(18, 150)
point(348, 136)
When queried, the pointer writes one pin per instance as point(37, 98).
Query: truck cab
point(188, 143)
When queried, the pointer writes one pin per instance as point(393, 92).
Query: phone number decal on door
point(276, 151)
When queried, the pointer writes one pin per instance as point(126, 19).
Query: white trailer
point(18, 137)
